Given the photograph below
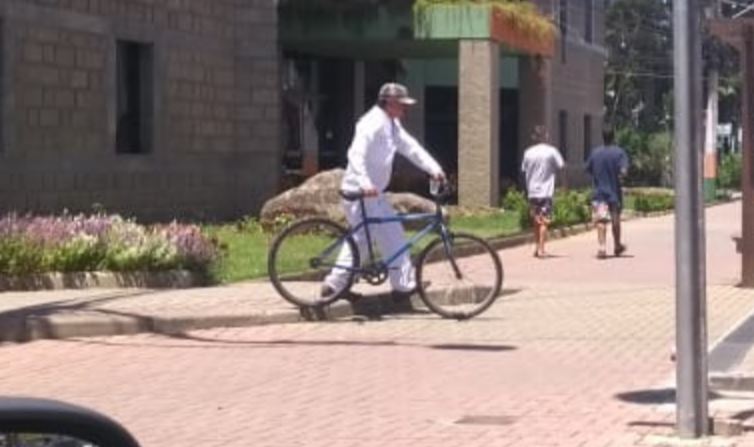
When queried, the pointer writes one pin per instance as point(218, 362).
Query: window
point(589, 21)
point(133, 133)
point(587, 135)
point(563, 21)
point(563, 133)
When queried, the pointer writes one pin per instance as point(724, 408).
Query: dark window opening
point(587, 136)
point(133, 133)
point(441, 126)
point(563, 133)
point(589, 19)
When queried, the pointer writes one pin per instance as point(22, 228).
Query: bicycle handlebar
point(438, 190)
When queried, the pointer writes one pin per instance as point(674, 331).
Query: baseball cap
point(397, 91)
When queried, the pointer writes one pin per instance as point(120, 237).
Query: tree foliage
point(639, 79)
point(639, 75)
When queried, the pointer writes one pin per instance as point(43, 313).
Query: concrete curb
point(175, 279)
point(26, 326)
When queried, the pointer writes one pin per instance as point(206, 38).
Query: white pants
point(389, 238)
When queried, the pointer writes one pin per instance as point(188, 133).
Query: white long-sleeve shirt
point(375, 142)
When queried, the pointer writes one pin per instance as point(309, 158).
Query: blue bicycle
point(458, 275)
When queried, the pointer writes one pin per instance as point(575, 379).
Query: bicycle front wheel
point(459, 277)
point(304, 254)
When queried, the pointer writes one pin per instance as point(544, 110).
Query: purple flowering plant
point(70, 243)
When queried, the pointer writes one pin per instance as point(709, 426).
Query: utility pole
point(691, 365)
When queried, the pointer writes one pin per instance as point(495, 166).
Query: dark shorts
point(541, 208)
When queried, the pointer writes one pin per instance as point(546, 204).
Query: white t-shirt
point(540, 164)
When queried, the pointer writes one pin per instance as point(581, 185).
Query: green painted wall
point(456, 22)
point(372, 24)
point(444, 72)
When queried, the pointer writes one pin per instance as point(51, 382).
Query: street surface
point(575, 354)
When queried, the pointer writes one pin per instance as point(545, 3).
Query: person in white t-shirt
point(540, 164)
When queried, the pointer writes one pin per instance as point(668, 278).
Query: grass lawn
point(246, 254)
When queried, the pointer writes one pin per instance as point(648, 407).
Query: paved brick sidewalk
point(576, 354)
point(556, 365)
point(61, 314)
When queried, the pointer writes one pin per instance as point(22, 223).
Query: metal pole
point(747, 174)
point(691, 372)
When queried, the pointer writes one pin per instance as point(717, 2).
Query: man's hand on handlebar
point(370, 192)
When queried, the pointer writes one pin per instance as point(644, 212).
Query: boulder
point(406, 202)
point(318, 197)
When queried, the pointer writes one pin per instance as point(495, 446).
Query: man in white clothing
point(378, 136)
point(541, 163)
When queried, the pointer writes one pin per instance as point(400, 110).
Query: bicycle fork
point(448, 251)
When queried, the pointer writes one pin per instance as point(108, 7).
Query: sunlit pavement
point(575, 354)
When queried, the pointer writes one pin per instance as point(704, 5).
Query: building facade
point(156, 109)
point(334, 62)
point(205, 109)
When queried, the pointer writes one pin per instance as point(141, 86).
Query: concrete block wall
point(576, 83)
point(215, 107)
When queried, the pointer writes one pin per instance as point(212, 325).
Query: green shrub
point(132, 247)
point(515, 201)
point(20, 256)
point(650, 156)
point(645, 202)
point(570, 208)
point(729, 171)
point(80, 254)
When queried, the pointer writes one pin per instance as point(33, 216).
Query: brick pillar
point(478, 123)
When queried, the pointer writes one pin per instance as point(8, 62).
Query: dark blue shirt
point(605, 165)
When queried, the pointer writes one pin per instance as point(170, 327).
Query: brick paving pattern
point(575, 354)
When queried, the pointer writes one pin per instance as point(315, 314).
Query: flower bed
point(81, 243)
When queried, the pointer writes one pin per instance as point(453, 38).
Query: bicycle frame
point(435, 221)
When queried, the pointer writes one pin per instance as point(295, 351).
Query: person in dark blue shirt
point(607, 165)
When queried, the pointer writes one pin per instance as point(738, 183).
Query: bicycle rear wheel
point(461, 278)
point(304, 254)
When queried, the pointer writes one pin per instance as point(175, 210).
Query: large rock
point(318, 197)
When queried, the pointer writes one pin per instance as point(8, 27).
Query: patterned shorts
point(603, 211)
point(541, 208)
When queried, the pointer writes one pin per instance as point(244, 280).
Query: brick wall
point(215, 107)
point(577, 82)
point(60, 91)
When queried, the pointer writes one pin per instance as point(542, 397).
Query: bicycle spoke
point(463, 277)
point(307, 253)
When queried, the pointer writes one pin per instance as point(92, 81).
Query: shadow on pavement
point(27, 323)
point(653, 424)
point(672, 426)
point(655, 396)
point(36, 322)
point(218, 343)
point(473, 347)
point(745, 416)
